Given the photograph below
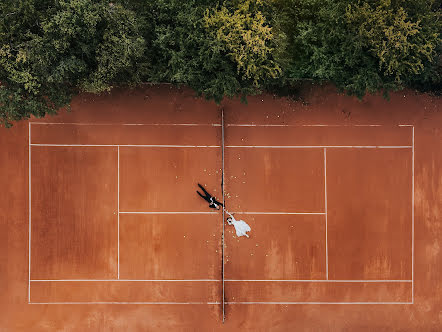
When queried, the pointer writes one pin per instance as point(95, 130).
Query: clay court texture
point(102, 230)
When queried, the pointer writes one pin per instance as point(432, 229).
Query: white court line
point(323, 146)
point(216, 124)
point(258, 125)
point(29, 235)
point(319, 303)
point(243, 212)
point(223, 300)
point(120, 280)
point(124, 303)
point(211, 303)
point(325, 203)
point(118, 209)
point(230, 280)
point(235, 146)
point(163, 212)
point(412, 221)
point(132, 145)
point(127, 124)
point(317, 280)
point(348, 125)
point(301, 213)
point(301, 125)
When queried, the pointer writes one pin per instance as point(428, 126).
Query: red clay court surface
point(103, 230)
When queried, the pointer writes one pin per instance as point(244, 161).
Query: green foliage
point(428, 13)
point(53, 49)
point(178, 50)
point(243, 34)
point(321, 46)
point(184, 55)
point(362, 47)
point(221, 51)
point(397, 42)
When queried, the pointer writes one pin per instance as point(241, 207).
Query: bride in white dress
point(241, 226)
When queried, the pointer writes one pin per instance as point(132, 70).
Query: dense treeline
point(53, 49)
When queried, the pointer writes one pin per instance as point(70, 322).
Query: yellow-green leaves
point(242, 32)
point(399, 44)
point(52, 49)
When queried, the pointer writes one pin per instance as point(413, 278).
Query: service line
point(321, 146)
point(234, 146)
point(319, 303)
point(229, 280)
point(127, 124)
point(301, 125)
point(166, 212)
point(211, 303)
point(120, 280)
point(318, 280)
point(130, 145)
point(300, 213)
point(124, 303)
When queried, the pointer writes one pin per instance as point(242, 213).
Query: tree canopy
point(51, 50)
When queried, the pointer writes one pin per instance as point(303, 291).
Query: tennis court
point(115, 224)
point(331, 211)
